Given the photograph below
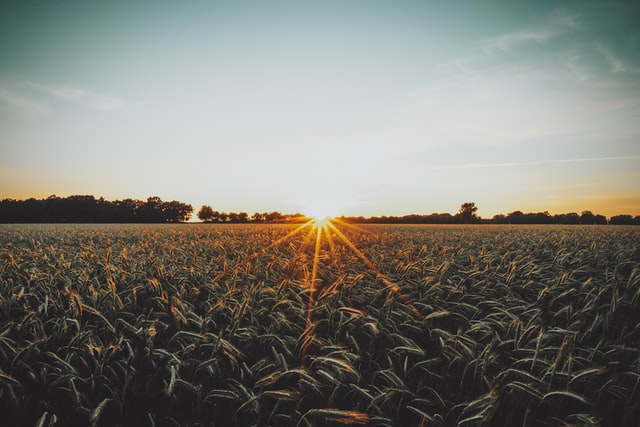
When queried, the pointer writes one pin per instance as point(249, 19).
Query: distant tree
point(601, 219)
point(243, 217)
point(216, 216)
point(467, 212)
point(81, 208)
point(587, 217)
point(515, 217)
point(569, 218)
point(621, 220)
point(205, 214)
point(539, 218)
point(151, 211)
point(237, 217)
point(127, 210)
point(175, 211)
point(273, 216)
point(499, 219)
point(360, 219)
point(444, 218)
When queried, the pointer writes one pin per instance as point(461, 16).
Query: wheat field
point(285, 325)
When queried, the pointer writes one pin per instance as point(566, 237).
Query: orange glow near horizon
point(325, 200)
point(322, 222)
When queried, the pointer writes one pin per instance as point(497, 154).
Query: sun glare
point(320, 212)
point(322, 222)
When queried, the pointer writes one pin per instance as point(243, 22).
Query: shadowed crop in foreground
point(213, 325)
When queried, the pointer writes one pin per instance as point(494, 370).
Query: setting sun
point(321, 210)
point(322, 221)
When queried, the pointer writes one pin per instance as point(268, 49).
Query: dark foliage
point(74, 209)
point(467, 214)
point(86, 208)
point(208, 215)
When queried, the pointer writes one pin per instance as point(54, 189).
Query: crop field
point(319, 324)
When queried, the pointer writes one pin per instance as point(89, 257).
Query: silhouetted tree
point(467, 212)
point(151, 211)
point(624, 220)
point(515, 217)
point(537, 218)
point(587, 217)
point(600, 219)
point(205, 214)
point(79, 209)
point(569, 218)
point(243, 217)
point(273, 216)
point(175, 211)
point(499, 219)
point(127, 210)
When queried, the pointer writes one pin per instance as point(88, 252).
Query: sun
point(324, 197)
point(322, 222)
point(320, 212)
point(321, 205)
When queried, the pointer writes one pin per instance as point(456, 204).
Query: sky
point(340, 107)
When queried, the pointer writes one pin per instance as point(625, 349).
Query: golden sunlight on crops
point(319, 324)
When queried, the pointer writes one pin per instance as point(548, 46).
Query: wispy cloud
point(494, 57)
point(559, 78)
point(617, 65)
point(615, 61)
point(532, 163)
point(558, 23)
point(514, 39)
point(79, 96)
point(16, 101)
point(577, 41)
point(35, 99)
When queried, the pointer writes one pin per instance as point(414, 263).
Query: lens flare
point(321, 211)
point(322, 222)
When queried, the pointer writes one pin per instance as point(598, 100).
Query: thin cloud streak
point(17, 101)
point(532, 163)
point(508, 41)
point(558, 23)
point(79, 96)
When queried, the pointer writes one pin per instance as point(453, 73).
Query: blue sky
point(351, 107)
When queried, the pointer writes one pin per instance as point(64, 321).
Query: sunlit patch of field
point(319, 324)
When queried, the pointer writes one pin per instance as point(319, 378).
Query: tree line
point(82, 208)
point(468, 215)
point(208, 215)
point(85, 208)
